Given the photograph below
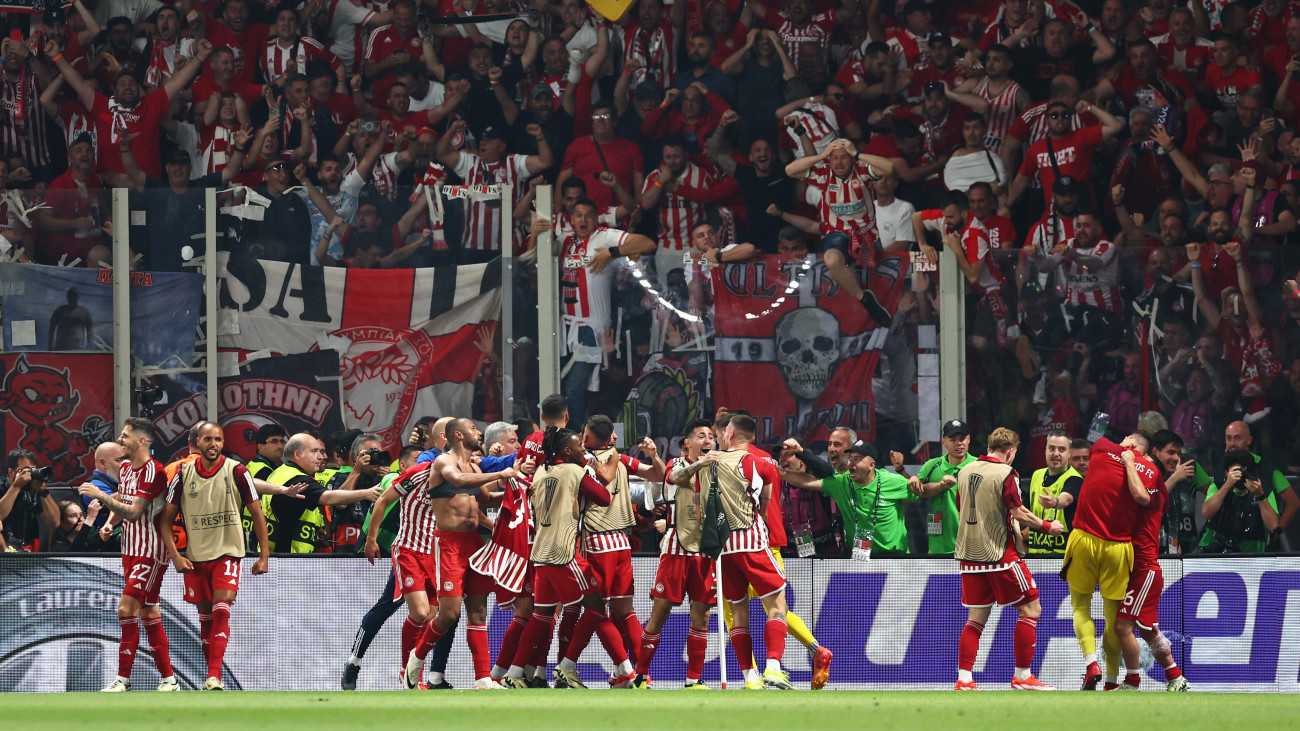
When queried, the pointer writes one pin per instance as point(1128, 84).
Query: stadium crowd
point(1089, 165)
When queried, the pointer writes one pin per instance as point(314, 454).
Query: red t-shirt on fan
point(1073, 154)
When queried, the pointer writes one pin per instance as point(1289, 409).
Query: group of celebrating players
point(558, 551)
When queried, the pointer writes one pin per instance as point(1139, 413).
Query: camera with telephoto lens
point(377, 456)
point(42, 474)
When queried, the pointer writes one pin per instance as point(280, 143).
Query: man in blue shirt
point(108, 468)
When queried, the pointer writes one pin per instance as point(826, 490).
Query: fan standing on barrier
point(990, 513)
point(139, 502)
point(211, 493)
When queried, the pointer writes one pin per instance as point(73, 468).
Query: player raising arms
point(1141, 605)
point(455, 487)
point(1099, 550)
point(562, 577)
point(139, 502)
point(604, 536)
point(211, 493)
point(682, 568)
point(992, 572)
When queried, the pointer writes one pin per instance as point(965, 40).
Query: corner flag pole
point(722, 623)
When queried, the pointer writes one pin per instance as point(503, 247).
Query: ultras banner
point(408, 339)
point(59, 406)
point(298, 392)
point(796, 351)
point(893, 625)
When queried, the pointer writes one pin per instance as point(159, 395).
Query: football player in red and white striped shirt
point(1091, 266)
point(491, 166)
point(414, 564)
point(289, 52)
point(139, 502)
point(847, 214)
point(681, 572)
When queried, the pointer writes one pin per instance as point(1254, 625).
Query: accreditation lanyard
point(863, 540)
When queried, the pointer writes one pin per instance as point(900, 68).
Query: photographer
point(23, 499)
point(1241, 513)
point(76, 530)
point(369, 464)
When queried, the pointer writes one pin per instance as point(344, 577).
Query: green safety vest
point(1040, 543)
point(259, 468)
point(327, 474)
point(310, 530)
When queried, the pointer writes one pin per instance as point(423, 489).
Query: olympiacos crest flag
point(794, 350)
point(410, 341)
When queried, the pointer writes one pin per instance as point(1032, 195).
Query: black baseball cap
point(940, 38)
point(493, 133)
point(177, 156)
point(1065, 185)
point(915, 6)
point(863, 448)
point(954, 427)
point(540, 89)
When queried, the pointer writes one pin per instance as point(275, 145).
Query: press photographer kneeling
point(1241, 514)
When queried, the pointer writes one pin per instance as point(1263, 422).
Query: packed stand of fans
point(1088, 163)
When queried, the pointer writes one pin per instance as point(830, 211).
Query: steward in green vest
point(1053, 491)
point(269, 442)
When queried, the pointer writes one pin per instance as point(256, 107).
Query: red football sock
point(630, 628)
point(969, 645)
point(611, 639)
point(205, 627)
point(1133, 679)
point(510, 641)
point(428, 638)
point(646, 653)
point(542, 652)
point(774, 633)
point(587, 624)
point(411, 632)
point(1025, 640)
point(1173, 673)
point(743, 644)
point(697, 643)
point(158, 644)
point(536, 634)
point(568, 625)
point(220, 637)
point(477, 639)
point(129, 643)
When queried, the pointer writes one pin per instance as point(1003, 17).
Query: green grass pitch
point(660, 710)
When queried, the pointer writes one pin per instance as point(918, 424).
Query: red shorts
point(413, 571)
point(1009, 587)
point(1142, 600)
point(209, 577)
point(613, 570)
point(505, 597)
point(679, 576)
point(143, 577)
point(454, 577)
point(751, 568)
point(563, 585)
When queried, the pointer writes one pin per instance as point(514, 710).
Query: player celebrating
point(144, 561)
point(415, 567)
point(210, 493)
point(1141, 605)
point(992, 572)
point(562, 576)
point(604, 537)
point(1099, 550)
point(745, 559)
point(455, 487)
point(682, 568)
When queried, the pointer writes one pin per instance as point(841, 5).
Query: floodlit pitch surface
point(658, 709)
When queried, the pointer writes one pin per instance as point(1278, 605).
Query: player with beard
point(1141, 605)
point(144, 560)
point(604, 535)
point(682, 568)
point(211, 492)
point(456, 487)
point(840, 175)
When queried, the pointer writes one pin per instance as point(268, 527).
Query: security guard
point(939, 482)
point(270, 450)
point(1052, 494)
point(297, 524)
